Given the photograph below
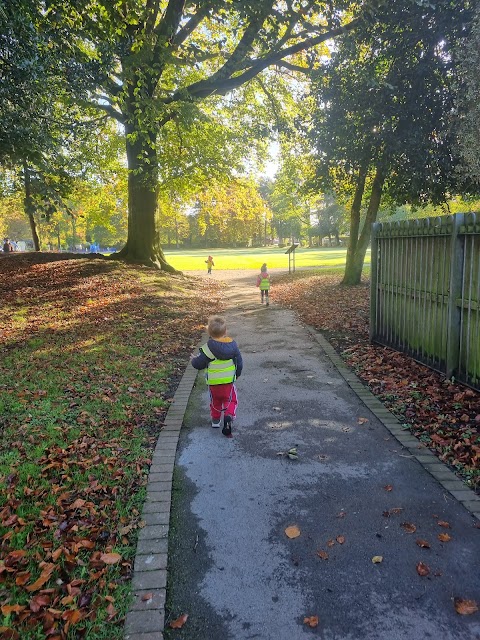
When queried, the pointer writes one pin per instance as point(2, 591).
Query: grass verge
point(91, 353)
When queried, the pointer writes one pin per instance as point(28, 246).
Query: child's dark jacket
point(223, 349)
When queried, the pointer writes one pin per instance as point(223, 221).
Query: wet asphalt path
point(233, 570)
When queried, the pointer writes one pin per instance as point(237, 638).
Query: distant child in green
point(209, 263)
point(263, 281)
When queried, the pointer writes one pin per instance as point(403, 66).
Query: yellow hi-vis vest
point(218, 371)
point(264, 284)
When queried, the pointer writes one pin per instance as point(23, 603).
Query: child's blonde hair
point(216, 327)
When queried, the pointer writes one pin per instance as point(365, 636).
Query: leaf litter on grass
point(91, 353)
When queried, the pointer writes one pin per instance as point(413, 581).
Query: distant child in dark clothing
point(263, 281)
point(222, 360)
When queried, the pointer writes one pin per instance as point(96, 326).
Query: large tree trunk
point(354, 267)
point(355, 224)
point(30, 207)
point(143, 240)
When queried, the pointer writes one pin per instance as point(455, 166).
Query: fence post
point(374, 280)
point(454, 313)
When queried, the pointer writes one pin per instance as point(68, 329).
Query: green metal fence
point(425, 292)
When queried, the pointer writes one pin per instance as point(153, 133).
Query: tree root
point(154, 262)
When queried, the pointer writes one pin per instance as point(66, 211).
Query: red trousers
point(223, 397)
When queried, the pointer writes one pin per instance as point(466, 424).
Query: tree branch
point(217, 85)
point(165, 32)
point(108, 108)
point(151, 14)
point(190, 26)
point(234, 62)
point(292, 67)
point(170, 21)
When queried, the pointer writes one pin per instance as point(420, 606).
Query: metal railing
point(425, 292)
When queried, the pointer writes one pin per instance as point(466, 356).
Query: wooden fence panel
point(425, 292)
point(469, 303)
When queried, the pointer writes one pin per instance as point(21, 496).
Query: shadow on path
point(354, 493)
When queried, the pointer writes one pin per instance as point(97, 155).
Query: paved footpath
point(361, 487)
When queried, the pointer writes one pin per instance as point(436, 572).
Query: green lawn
point(249, 258)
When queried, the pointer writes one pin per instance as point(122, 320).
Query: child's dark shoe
point(227, 426)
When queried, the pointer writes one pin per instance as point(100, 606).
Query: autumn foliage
point(91, 353)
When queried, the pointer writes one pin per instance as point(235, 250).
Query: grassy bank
point(91, 352)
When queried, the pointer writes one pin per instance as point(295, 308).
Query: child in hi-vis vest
point(209, 263)
point(222, 360)
point(263, 281)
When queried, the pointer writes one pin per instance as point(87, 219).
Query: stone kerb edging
point(425, 457)
point(145, 619)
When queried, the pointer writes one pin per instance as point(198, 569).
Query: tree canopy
point(382, 122)
point(161, 70)
point(467, 103)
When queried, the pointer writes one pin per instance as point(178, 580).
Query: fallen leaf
point(423, 544)
point(147, 596)
point(388, 487)
point(377, 559)
point(330, 543)
point(292, 531)
point(409, 527)
point(22, 578)
point(444, 537)
point(444, 524)
point(39, 601)
point(340, 539)
point(422, 569)
point(312, 621)
point(322, 554)
point(111, 611)
point(7, 609)
point(44, 577)
point(341, 514)
point(179, 622)
point(110, 558)
point(362, 420)
point(8, 634)
point(72, 615)
point(465, 607)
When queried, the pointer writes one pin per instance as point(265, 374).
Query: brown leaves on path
point(444, 537)
point(465, 607)
point(179, 622)
point(423, 544)
point(423, 569)
point(311, 621)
